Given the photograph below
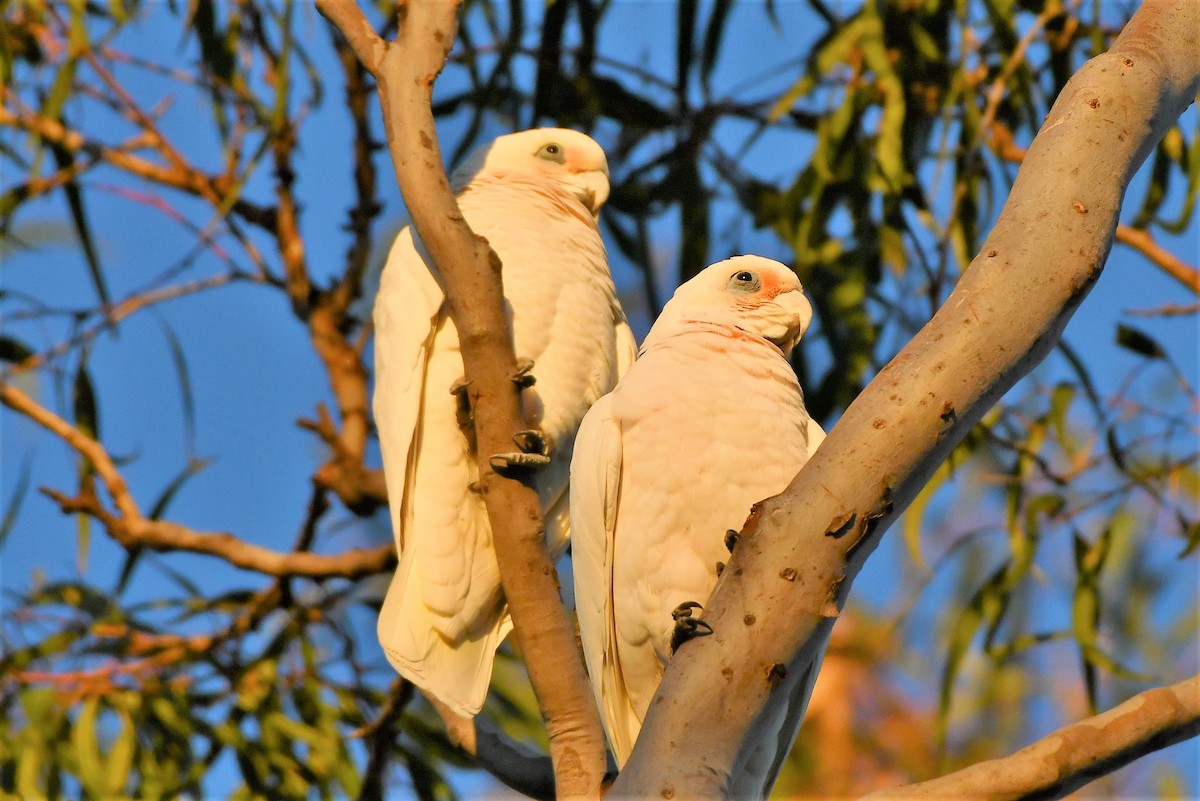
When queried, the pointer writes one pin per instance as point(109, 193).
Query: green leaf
point(891, 247)
point(185, 384)
point(87, 420)
point(1086, 607)
point(889, 151)
point(83, 399)
point(13, 507)
point(194, 467)
point(712, 38)
point(86, 749)
point(214, 47)
point(915, 513)
point(1139, 342)
point(1192, 534)
point(13, 350)
point(1060, 404)
point(83, 231)
point(120, 757)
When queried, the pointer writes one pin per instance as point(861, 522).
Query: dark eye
point(552, 152)
point(744, 281)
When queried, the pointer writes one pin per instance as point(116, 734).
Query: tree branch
point(793, 567)
point(130, 528)
point(517, 766)
point(84, 445)
point(1071, 757)
point(405, 71)
point(1142, 241)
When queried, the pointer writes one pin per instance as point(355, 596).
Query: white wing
point(815, 435)
point(595, 483)
point(627, 347)
point(421, 623)
point(405, 318)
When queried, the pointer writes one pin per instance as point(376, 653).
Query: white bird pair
point(708, 421)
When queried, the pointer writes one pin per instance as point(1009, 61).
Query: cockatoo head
point(573, 159)
point(757, 295)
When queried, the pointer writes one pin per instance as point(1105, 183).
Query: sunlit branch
point(1068, 759)
point(1141, 240)
point(132, 530)
point(1006, 313)
point(121, 311)
point(185, 180)
point(84, 445)
point(162, 535)
point(134, 113)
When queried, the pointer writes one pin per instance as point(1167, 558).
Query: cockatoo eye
point(552, 152)
point(744, 281)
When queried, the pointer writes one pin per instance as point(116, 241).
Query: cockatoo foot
point(731, 539)
point(522, 376)
point(531, 441)
point(462, 404)
point(686, 626)
point(505, 461)
point(534, 452)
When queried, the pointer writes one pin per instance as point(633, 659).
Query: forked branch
point(132, 529)
point(1007, 312)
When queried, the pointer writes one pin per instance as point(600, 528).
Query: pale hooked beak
point(790, 318)
point(591, 187)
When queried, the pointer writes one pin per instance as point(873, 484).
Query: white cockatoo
point(535, 196)
point(709, 421)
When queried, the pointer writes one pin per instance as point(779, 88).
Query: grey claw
point(505, 461)
point(531, 441)
point(462, 404)
point(731, 539)
point(686, 626)
point(521, 376)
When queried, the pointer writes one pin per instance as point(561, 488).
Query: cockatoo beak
point(591, 188)
point(792, 319)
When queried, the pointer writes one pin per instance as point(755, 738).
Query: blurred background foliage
point(173, 170)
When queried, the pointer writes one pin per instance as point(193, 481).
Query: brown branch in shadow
point(380, 733)
point(1075, 755)
point(518, 766)
point(405, 71)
